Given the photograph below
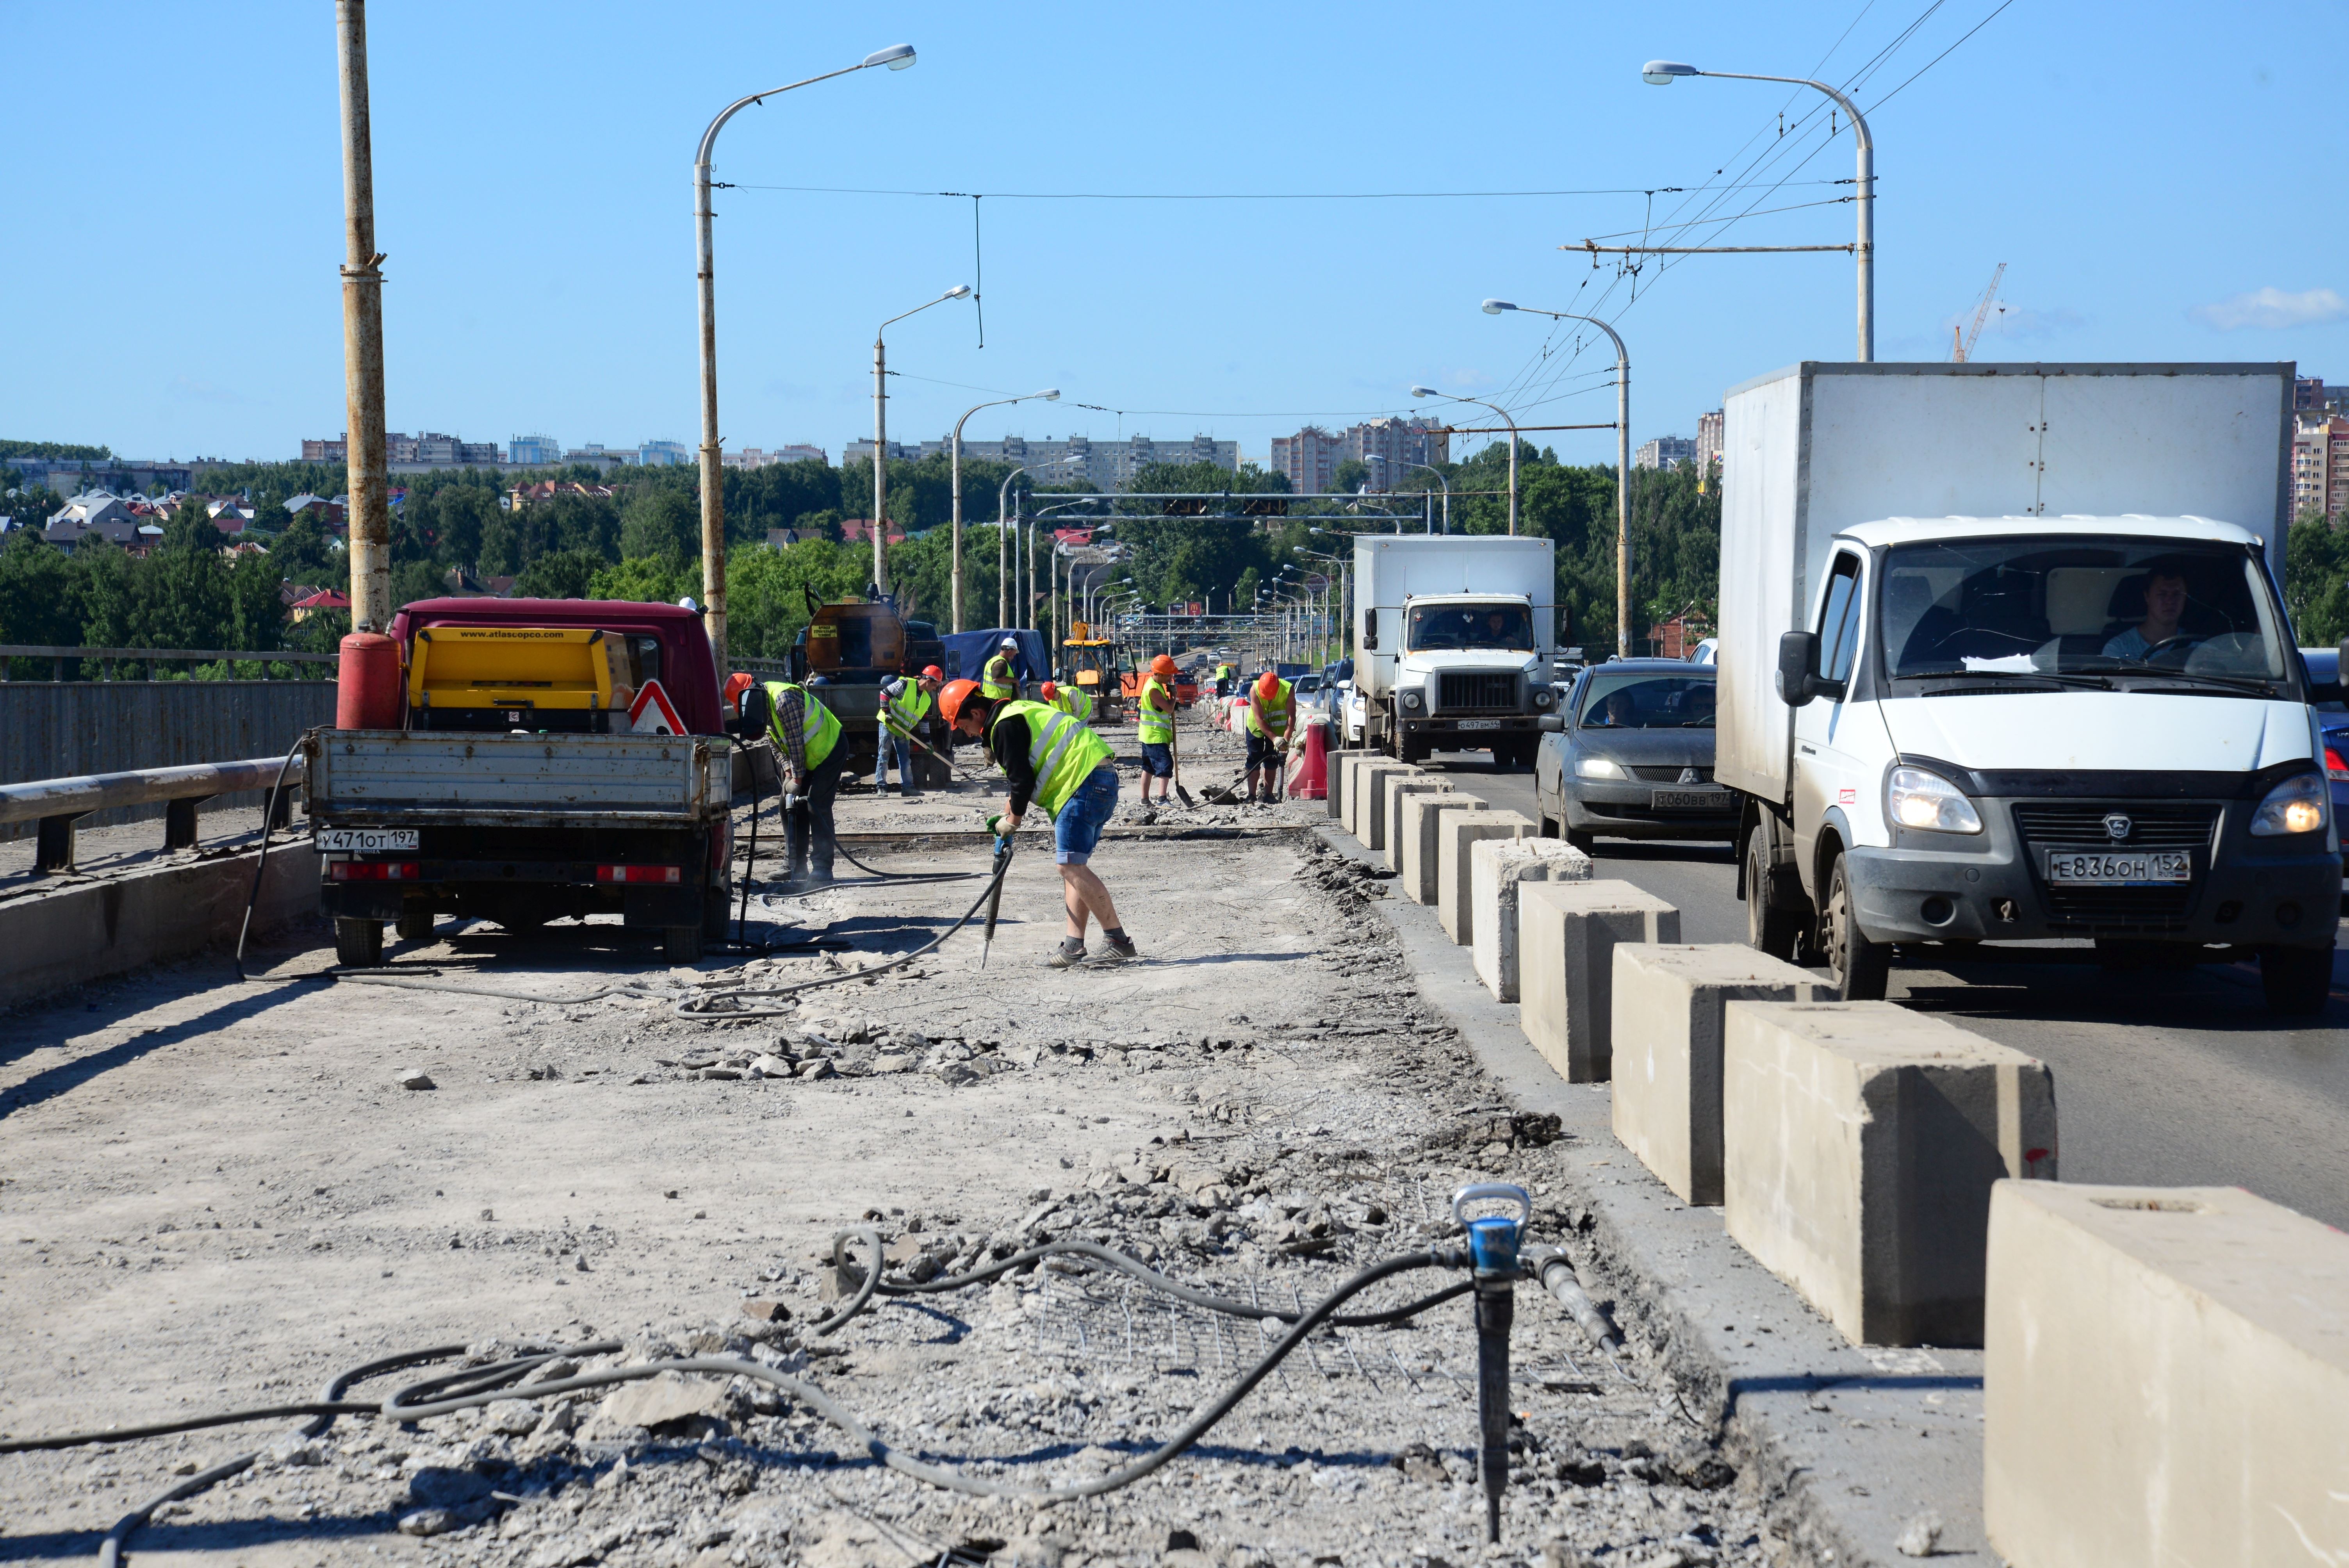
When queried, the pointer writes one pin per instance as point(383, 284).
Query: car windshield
point(1457, 627)
point(2048, 607)
point(1629, 699)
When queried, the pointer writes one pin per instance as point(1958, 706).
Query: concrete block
point(1665, 1028)
point(1456, 833)
point(1397, 792)
point(1496, 869)
point(2164, 1377)
point(1423, 816)
point(1358, 789)
point(1373, 813)
point(1336, 798)
point(1566, 936)
point(1859, 1141)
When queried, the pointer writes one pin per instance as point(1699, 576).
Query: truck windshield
point(1630, 700)
point(1457, 627)
point(2181, 611)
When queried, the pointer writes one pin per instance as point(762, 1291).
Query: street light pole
point(1050, 395)
point(897, 57)
point(1504, 413)
point(1662, 72)
point(881, 434)
point(368, 475)
point(1623, 463)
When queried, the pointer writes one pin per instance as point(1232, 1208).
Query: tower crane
point(1961, 349)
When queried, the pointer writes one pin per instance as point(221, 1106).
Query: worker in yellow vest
point(807, 738)
point(1069, 699)
point(905, 705)
point(1271, 726)
point(1155, 721)
point(1054, 761)
point(1000, 679)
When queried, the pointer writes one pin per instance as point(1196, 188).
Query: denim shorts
point(1157, 759)
point(1079, 826)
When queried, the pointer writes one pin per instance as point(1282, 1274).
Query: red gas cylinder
point(1309, 778)
point(367, 684)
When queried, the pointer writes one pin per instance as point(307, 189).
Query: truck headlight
point(2295, 806)
point(1411, 700)
point(1541, 699)
point(1916, 799)
point(1595, 768)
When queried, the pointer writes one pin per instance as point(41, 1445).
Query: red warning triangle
point(653, 714)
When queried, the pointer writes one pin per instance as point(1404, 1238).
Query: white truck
point(2003, 658)
point(1453, 636)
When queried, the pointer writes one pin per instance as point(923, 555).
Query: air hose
point(261, 858)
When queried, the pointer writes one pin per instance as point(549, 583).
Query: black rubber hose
point(261, 859)
point(751, 865)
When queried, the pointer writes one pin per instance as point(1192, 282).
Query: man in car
point(2164, 606)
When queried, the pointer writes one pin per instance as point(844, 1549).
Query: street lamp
point(1504, 413)
point(1050, 395)
point(1663, 72)
point(1623, 463)
point(897, 57)
point(881, 433)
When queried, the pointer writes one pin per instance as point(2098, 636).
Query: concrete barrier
point(1665, 1026)
point(1422, 817)
point(1497, 868)
point(1371, 815)
point(1566, 936)
point(1357, 791)
point(1456, 833)
point(86, 930)
point(1397, 792)
point(1859, 1142)
point(1337, 796)
point(2165, 1378)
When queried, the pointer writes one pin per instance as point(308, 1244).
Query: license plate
point(1690, 800)
point(1480, 724)
point(366, 841)
point(2129, 868)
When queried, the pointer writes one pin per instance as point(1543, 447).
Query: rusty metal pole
point(880, 465)
point(369, 473)
point(713, 473)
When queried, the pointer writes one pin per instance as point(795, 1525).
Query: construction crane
point(1961, 349)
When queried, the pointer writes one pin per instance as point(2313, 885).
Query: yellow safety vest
point(1281, 707)
point(912, 708)
point(1156, 726)
point(1060, 749)
point(818, 726)
point(995, 681)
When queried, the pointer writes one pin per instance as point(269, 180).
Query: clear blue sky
point(170, 281)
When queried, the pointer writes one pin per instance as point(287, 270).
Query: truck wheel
point(2297, 981)
point(1548, 827)
point(1411, 753)
point(1858, 968)
point(1586, 842)
point(358, 943)
point(717, 914)
point(681, 944)
point(1768, 928)
point(415, 923)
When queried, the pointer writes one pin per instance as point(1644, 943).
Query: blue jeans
point(1157, 759)
point(905, 752)
point(1079, 826)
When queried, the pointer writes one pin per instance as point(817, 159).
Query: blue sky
point(2160, 182)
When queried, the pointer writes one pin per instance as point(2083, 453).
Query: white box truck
point(2002, 657)
point(1453, 636)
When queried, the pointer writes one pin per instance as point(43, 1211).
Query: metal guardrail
point(58, 803)
point(61, 656)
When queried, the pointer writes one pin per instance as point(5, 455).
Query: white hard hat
point(1009, 643)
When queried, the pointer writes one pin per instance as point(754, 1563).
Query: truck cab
point(1455, 639)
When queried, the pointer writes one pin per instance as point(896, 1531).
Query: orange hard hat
point(1163, 664)
point(1267, 684)
point(952, 697)
point(736, 685)
point(1050, 691)
point(932, 673)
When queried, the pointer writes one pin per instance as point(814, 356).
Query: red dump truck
point(553, 758)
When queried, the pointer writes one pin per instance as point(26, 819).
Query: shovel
point(1174, 740)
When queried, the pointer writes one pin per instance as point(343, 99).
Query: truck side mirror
point(1798, 657)
point(1370, 628)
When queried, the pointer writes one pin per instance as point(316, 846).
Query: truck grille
point(1666, 772)
point(1470, 692)
point(2120, 911)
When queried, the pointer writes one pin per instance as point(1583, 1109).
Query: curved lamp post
point(1504, 413)
point(897, 57)
point(1622, 462)
point(881, 434)
point(1663, 72)
point(1050, 395)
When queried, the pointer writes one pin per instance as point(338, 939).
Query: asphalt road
point(2161, 1079)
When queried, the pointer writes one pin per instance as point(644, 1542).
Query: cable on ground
point(261, 858)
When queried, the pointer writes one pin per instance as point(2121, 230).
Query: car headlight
point(2295, 806)
point(1541, 699)
point(1916, 799)
point(1595, 768)
point(1411, 699)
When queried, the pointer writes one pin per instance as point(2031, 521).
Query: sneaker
point(1070, 954)
point(1115, 950)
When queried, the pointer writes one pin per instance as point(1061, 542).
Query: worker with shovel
point(904, 707)
point(1052, 759)
point(1154, 723)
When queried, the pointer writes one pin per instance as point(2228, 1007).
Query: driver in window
point(1617, 711)
point(1496, 629)
point(2164, 606)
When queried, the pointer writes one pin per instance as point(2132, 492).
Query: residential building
point(1310, 459)
point(1105, 464)
point(547, 489)
point(595, 455)
point(1390, 445)
point(1708, 448)
point(1664, 452)
point(118, 476)
point(329, 513)
point(654, 454)
point(337, 451)
point(533, 451)
point(861, 451)
point(323, 600)
point(2320, 465)
point(759, 457)
point(859, 530)
point(99, 514)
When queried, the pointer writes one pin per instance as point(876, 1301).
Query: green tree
point(662, 525)
point(766, 602)
point(2316, 581)
point(302, 554)
point(559, 574)
point(39, 598)
point(62, 450)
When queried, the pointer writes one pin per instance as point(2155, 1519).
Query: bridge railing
point(56, 804)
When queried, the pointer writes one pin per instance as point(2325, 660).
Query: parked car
point(1707, 652)
point(1632, 757)
point(1352, 714)
point(2332, 719)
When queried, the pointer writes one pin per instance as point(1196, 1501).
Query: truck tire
point(717, 914)
point(1769, 928)
point(1409, 752)
point(2297, 981)
point(415, 923)
point(1858, 968)
point(358, 943)
point(1586, 842)
point(681, 944)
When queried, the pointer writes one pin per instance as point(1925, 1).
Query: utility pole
point(368, 472)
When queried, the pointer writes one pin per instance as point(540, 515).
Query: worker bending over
point(1155, 721)
point(905, 706)
point(1271, 727)
point(1052, 759)
point(807, 738)
point(999, 680)
point(1070, 700)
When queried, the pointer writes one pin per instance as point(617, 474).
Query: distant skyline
point(2149, 188)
